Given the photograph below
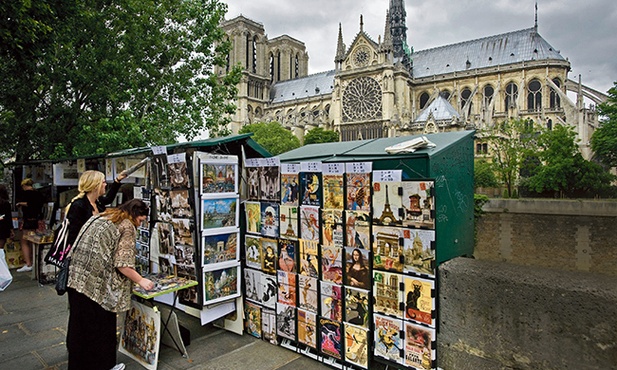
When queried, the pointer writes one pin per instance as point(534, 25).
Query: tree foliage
point(561, 171)
point(484, 175)
point(272, 136)
point(509, 143)
point(604, 139)
point(320, 135)
point(92, 77)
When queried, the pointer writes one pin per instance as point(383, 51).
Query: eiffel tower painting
point(387, 217)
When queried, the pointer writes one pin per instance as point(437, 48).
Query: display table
point(41, 271)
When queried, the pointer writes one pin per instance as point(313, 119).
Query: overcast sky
point(585, 32)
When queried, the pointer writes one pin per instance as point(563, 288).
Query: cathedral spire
point(535, 22)
point(386, 45)
point(340, 46)
point(398, 30)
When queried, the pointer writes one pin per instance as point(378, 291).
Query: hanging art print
point(419, 346)
point(356, 345)
point(269, 219)
point(330, 334)
point(177, 170)
point(388, 248)
point(219, 213)
point(252, 285)
point(419, 204)
point(388, 341)
point(219, 175)
point(419, 301)
point(221, 285)
point(307, 328)
point(419, 250)
point(252, 211)
point(182, 231)
point(221, 248)
point(309, 258)
point(387, 291)
point(333, 189)
point(180, 205)
point(289, 184)
point(286, 321)
point(289, 222)
point(252, 319)
point(253, 251)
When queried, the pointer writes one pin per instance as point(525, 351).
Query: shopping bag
point(62, 278)
point(60, 249)
point(5, 273)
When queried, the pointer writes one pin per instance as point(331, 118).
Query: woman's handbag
point(62, 278)
point(60, 248)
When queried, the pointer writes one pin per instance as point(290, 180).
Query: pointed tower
point(398, 30)
point(340, 49)
point(386, 46)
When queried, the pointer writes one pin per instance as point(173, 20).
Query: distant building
point(384, 88)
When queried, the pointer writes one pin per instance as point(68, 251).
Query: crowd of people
point(101, 244)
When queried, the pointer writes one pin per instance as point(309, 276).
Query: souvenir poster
point(286, 288)
point(287, 255)
point(182, 231)
point(358, 190)
point(220, 248)
point(252, 285)
point(333, 190)
point(419, 350)
point(309, 223)
point(331, 300)
point(332, 231)
point(356, 345)
point(184, 255)
point(220, 285)
point(270, 180)
point(307, 288)
point(166, 242)
point(309, 258)
point(159, 169)
point(252, 319)
point(357, 272)
point(269, 247)
point(286, 321)
point(268, 325)
point(180, 205)
point(419, 250)
point(307, 328)
point(419, 301)
point(388, 341)
point(387, 293)
point(253, 251)
point(219, 176)
point(332, 265)
point(163, 205)
point(357, 307)
point(419, 204)
point(253, 182)
point(310, 184)
point(178, 176)
point(330, 334)
point(165, 265)
point(252, 211)
point(357, 229)
point(269, 219)
point(388, 251)
point(65, 174)
point(288, 222)
point(289, 184)
point(269, 290)
point(387, 198)
point(219, 213)
point(141, 335)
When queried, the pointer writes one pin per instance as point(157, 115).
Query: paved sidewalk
point(33, 322)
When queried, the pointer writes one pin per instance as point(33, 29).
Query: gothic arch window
point(296, 67)
point(511, 95)
point(534, 95)
point(445, 94)
point(255, 54)
point(278, 66)
point(424, 99)
point(488, 93)
point(258, 112)
point(465, 95)
point(247, 51)
point(291, 67)
point(554, 100)
point(271, 67)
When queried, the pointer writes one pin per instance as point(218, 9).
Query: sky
point(585, 32)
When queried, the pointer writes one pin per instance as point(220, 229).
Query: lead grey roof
point(441, 110)
point(506, 48)
point(304, 87)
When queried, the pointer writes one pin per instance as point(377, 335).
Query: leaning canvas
point(141, 335)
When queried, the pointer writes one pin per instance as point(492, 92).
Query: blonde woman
point(99, 286)
point(90, 201)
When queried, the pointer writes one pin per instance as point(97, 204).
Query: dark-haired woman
point(99, 286)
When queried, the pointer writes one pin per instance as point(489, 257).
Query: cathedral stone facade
point(384, 88)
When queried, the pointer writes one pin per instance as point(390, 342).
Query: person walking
point(31, 203)
point(6, 222)
point(101, 275)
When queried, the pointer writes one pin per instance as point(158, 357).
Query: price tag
point(310, 166)
point(251, 162)
point(272, 162)
point(387, 176)
point(333, 168)
point(290, 168)
point(358, 167)
point(176, 158)
point(159, 150)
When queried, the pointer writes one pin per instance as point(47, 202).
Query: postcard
point(388, 248)
point(330, 334)
point(419, 346)
point(419, 251)
point(219, 178)
point(388, 341)
point(252, 285)
point(252, 319)
point(357, 272)
point(307, 288)
point(219, 213)
point(309, 223)
point(332, 230)
point(307, 328)
point(357, 229)
point(356, 345)
point(419, 300)
point(268, 325)
point(286, 288)
point(357, 307)
point(309, 258)
point(269, 248)
point(253, 251)
point(419, 204)
point(288, 222)
point(252, 212)
point(387, 293)
point(220, 285)
point(286, 321)
point(220, 248)
point(269, 219)
point(287, 251)
point(310, 185)
point(331, 301)
point(332, 264)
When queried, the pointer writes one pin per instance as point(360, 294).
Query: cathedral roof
point(305, 87)
point(440, 109)
point(503, 49)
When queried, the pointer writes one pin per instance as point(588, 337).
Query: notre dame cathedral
point(384, 88)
